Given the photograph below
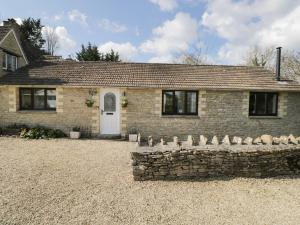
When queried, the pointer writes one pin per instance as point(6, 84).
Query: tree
point(260, 57)
point(291, 64)
point(111, 56)
point(266, 57)
point(51, 40)
point(31, 38)
point(195, 57)
point(91, 53)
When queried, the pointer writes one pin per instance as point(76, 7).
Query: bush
point(41, 133)
point(76, 129)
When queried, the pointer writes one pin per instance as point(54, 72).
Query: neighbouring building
point(163, 99)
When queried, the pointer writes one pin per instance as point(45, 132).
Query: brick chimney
point(12, 23)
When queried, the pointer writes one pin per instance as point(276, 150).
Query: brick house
point(163, 99)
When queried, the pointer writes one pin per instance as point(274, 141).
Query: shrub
point(76, 129)
point(41, 133)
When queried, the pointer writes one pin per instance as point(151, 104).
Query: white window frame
point(5, 68)
point(16, 62)
point(13, 57)
point(17, 66)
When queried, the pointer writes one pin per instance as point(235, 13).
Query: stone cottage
point(106, 98)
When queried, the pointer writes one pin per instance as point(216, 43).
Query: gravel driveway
point(90, 182)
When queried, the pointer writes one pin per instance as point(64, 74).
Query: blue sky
point(163, 30)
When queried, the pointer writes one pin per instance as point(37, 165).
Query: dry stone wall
point(197, 162)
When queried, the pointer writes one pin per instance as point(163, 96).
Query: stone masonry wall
point(220, 113)
point(215, 161)
point(71, 111)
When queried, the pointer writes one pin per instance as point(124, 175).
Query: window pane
point(191, 102)
point(9, 62)
point(51, 99)
point(26, 99)
point(4, 60)
point(13, 63)
point(261, 104)
point(252, 104)
point(39, 98)
point(109, 102)
point(180, 102)
point(271, 104)
point(168, 102)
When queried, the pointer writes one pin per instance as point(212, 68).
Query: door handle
point(102, 111)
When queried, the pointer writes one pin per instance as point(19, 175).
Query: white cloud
point(76, 15)
point(166, 5)
point(126, 50)
point(161, 59)
point(112, 26)
point(137, 32)
point(58, 17)
point(18, 20)
point(173, 37)
point(65, 43)
point(244, 24)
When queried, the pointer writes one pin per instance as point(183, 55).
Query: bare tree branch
point(195, 57)
point(51, 40)
point(266, 57)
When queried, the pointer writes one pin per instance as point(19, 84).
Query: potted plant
point(133, 135)
point(89, 102)
point(124, 101)
point(75, 133)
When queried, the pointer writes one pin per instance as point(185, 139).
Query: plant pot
point(90, 105)
point(75, 135)
point(124, 104)
point(133, 137)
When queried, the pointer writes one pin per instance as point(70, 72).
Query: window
point(10, 62)
point(263, 104)
point(4, 61)
point(109, 102)
point(37, 99)
point(180, 103)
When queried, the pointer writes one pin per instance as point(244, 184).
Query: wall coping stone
point(225, 148)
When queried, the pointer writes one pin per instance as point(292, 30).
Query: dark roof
point(3, 31)
point(110, 74)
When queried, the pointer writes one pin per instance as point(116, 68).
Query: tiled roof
point(3, 31)
point(110, 74)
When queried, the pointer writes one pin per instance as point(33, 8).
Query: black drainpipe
point(278, 61)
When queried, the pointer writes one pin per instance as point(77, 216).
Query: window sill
point(181, 116)
point(264, 117)
point(37, 111)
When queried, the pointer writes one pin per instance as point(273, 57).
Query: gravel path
point(90, 182)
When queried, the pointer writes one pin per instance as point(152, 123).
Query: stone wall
point(215, 161)
point(71, 111)
point(220, 113)
point(1, 62)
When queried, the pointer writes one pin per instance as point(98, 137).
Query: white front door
point(110, 111)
